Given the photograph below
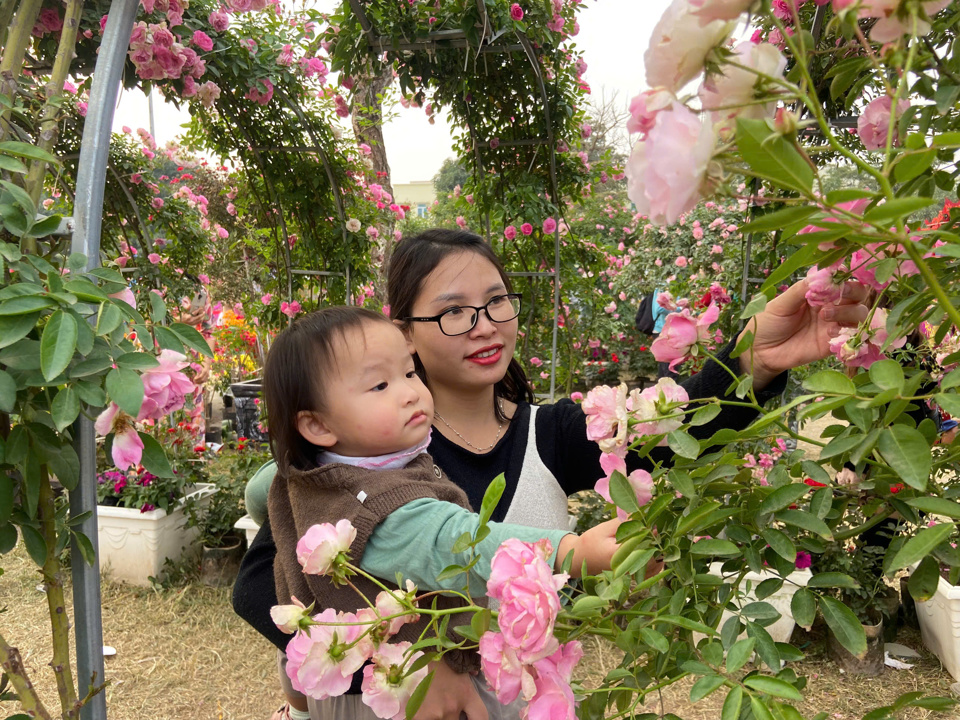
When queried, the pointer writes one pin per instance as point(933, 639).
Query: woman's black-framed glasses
point(463, 318)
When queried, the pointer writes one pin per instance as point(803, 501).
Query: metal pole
point(88, 214)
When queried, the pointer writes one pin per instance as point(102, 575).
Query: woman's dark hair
point(300, 360)
point(413, 260)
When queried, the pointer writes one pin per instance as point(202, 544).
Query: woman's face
point(478, 358)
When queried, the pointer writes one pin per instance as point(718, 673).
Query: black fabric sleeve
point(575, 461)
point(254, 592)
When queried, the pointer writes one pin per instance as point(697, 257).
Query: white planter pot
point(940, 625)
point(782, 629)
point(134, 545)
point(247, 524)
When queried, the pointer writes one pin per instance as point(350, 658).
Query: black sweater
point(562, 445)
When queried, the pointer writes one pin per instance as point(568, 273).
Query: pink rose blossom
point(549, 225)
point(267, 299)
point(710, 10)
point(874, 122)
point(516, 12)
point(386, 687)
point(681, 333)
point(126, 295)
point(202, 41)
point(127, 446)
point(319, 664)
point(680, 262)
point(526, 229)
point(503, 670)
point(823, 287)
point(319, 550)
point(288, 618)
point(606, 411)
point(893, 23)
point(863, 346)
point(510, 232)
point(153, 258)
point(553, 698)
point(679, 46)
point(510, 561)
point(219, 21)
point(165, 387)
point(666, 171)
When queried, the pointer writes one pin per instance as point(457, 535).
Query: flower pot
point(220, 565)
point(249, 527)
point(133, 546)
point(246, 401)
point(782, 629)
point(940, 625)
point(870, 663)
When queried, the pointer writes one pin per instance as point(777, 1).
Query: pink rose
point(528, 610)
point(153, 258)
point(681, 332)
point(510, 232)
point(127, 447)
point(526, 229)
point(323, 547)
point(666, 171)
point(202, 41)
point(126, 295)
point(716, 250)
point(680, 262)
point(664, 398)
point(516, 12)
point(165, 387)
point(549, 225)
point(510, 561)
point(892, 23)
point(288, 618)
point(219, 21)
point(503, 670)
point(388, 604)
point(553, 698)
point(644, 108)
point(823, 288)
point(863, 346)
point(679, 45)
point(576, 396)
point(606, 411)
point(267, 299)
point(386, 687)
point(319, 664)
point(874, 122)
point(710, 10)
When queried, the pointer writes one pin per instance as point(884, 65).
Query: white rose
point(679, 46)
point(353, 225)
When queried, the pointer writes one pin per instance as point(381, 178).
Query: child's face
point(375, 404)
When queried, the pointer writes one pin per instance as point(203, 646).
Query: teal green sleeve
point(416, 540)
point(258, 487)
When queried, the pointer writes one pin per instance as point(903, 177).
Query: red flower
point(894, 489)
point(813, 483)
point(199, 449)
point(643, 348)
point(613, 356)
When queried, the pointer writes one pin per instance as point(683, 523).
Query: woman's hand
point(451, 696)
point(789, 333)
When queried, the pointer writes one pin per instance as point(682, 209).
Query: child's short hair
point(293, 379)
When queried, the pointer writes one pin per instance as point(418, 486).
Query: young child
point(350, 421)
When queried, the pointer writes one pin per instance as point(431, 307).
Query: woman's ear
point(314, 430)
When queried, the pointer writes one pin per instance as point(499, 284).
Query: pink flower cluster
point(156, 54)
point(290, 309)
point(524, 659)
point(681, 334)
point(865, 345)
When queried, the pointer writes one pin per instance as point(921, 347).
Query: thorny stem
point(16, 47)
point(59, 620)
point(51, 108)
point(12, 665)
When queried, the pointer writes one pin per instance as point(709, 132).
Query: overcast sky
point(613, 36)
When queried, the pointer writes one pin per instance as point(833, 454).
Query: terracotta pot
point(870, 664)
point(219, 566)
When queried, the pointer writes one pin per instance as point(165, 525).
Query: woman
point(452, 299)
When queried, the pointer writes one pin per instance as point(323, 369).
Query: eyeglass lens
point(457, 321)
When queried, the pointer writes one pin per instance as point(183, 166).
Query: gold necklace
point(470, 444)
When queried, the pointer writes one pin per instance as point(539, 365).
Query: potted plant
point(141, 519)
point(228, 469)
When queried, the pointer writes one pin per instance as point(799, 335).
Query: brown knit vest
point(329, 493)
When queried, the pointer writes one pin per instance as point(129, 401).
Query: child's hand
point(595, 547)
point(451, 696)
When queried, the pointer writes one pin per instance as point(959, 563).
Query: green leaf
point(755, 306)
point(8, 541)
point(109, 319)
point(832, 580)
point(771, 156)
point(158, 309)
point(803, 607)
point(925, 579)
point(920, 545)
point(897, 208)
point(167, 339)
point(154, 459)
point(704, 686)
point(26, 150)
point(908, 453)
point(949, 402)
point(655, 640)
point(782, 497)
point(192, 339)
point(8, 393)
point(451, 571)
point(739, 654)
point(705, 415)
point(418, 696)
point(779, 219)
point(911, 165)
point(21, 198)
point(65, 466)
point(491, 497)
point(887, 375)
point(16, 327)
point(844, 625)
point(683, 444)
point(622, 493)
point(830, 382)
point(781, 544)
point(12, 165)
point(35, 544)
point(86, 547)
point(806, 521)
point(24, 305)
point(714, 546)
point(773, 686)
point(125, 388)
point(936, 506)
point(57, 344)
point(65, 408)
point(822, 502)
point(138, 360)
point(462, 543)
point(732, 705)
point(766, 648)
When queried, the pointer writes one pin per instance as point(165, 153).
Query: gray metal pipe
point(88, 216)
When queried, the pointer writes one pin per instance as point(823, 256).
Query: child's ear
point(314, 430)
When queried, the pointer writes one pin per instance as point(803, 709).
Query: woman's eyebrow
point(445, 297)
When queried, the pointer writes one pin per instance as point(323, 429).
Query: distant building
point(419, 195)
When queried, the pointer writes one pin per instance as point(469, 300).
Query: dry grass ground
point(184, 654)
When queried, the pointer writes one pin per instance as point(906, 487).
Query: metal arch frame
point(452, 39)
